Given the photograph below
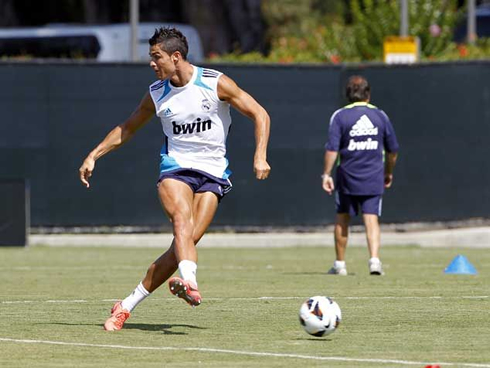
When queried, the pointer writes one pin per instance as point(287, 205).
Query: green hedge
point(310, 31)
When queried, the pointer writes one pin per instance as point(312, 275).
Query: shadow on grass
point(317, 339)
point(314, 273)
point(303, 273)
point(163, 328)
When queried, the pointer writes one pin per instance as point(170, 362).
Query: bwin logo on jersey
point(197, 126)
point(367, 145)
point(363, 126)
point(206, 105)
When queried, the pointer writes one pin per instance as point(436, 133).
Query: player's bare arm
point(118, 136)
point(246, 104)
point(327, 180)
point(389, 166)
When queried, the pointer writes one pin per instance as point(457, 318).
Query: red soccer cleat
point(118, 316)
point(186, 290)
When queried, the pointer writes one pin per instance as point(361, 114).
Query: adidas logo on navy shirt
point(363, 126)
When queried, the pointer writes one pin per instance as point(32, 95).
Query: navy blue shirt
point(360, 133)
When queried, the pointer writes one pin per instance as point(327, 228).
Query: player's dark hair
point(170, 40)
point(357, 89)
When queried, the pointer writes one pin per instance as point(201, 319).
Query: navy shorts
point(370, 204)
point(199, 181)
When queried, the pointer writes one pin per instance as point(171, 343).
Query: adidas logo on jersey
point(363, 126)
point(197, 126)
point(167, 112)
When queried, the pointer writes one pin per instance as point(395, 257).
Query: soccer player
point(359, 136)
point(193, 104)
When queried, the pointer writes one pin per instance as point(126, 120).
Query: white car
point(104, 43)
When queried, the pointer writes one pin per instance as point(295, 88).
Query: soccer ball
point(320, 316)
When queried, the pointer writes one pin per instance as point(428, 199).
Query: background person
point(360, 133)
point(193, 106)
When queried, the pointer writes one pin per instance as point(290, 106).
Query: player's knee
point(183, 226)
point(342, 221)
point(344, 224)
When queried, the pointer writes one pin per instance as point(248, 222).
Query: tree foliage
point(354, 30)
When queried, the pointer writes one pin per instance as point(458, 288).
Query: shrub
point(311, 31)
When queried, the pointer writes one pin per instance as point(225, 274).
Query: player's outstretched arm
point(246, 104)
point(327, 180)
point(118, 136)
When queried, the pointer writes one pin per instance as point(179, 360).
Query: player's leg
point(373, 233)
point(204, 208)
point(371, 209)
point(185, 287)
point(177, 199)
point(346, 207)
point(160, 270)
point(341, 235)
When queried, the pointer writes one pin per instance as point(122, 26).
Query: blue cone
point(460, 266)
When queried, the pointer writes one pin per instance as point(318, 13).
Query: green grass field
point(53, 302)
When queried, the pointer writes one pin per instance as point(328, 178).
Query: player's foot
point(118, 316)
point(375, 267)
point(338, 270)
point(186, 290)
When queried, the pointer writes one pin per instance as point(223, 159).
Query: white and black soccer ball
point(320, 316)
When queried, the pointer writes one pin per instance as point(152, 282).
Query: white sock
point(374, 260)
point(187, 270)
point(339, 264)
point(137, 296)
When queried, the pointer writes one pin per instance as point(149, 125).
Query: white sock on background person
point(187, 270)
point(339, 264)
point(137, 296)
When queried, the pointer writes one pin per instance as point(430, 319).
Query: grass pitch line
point(240, 352)
point(43, 301)
point(416, 297)
point(257, 298)
point(70, 268)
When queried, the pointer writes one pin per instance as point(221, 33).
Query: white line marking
point(257, 298)
point(66, 301)
point(475, 297)
point(42, 301)
point(80, 268)
point(416, 297)
point(241, 352)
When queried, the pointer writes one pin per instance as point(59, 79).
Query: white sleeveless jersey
point(195, 123)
